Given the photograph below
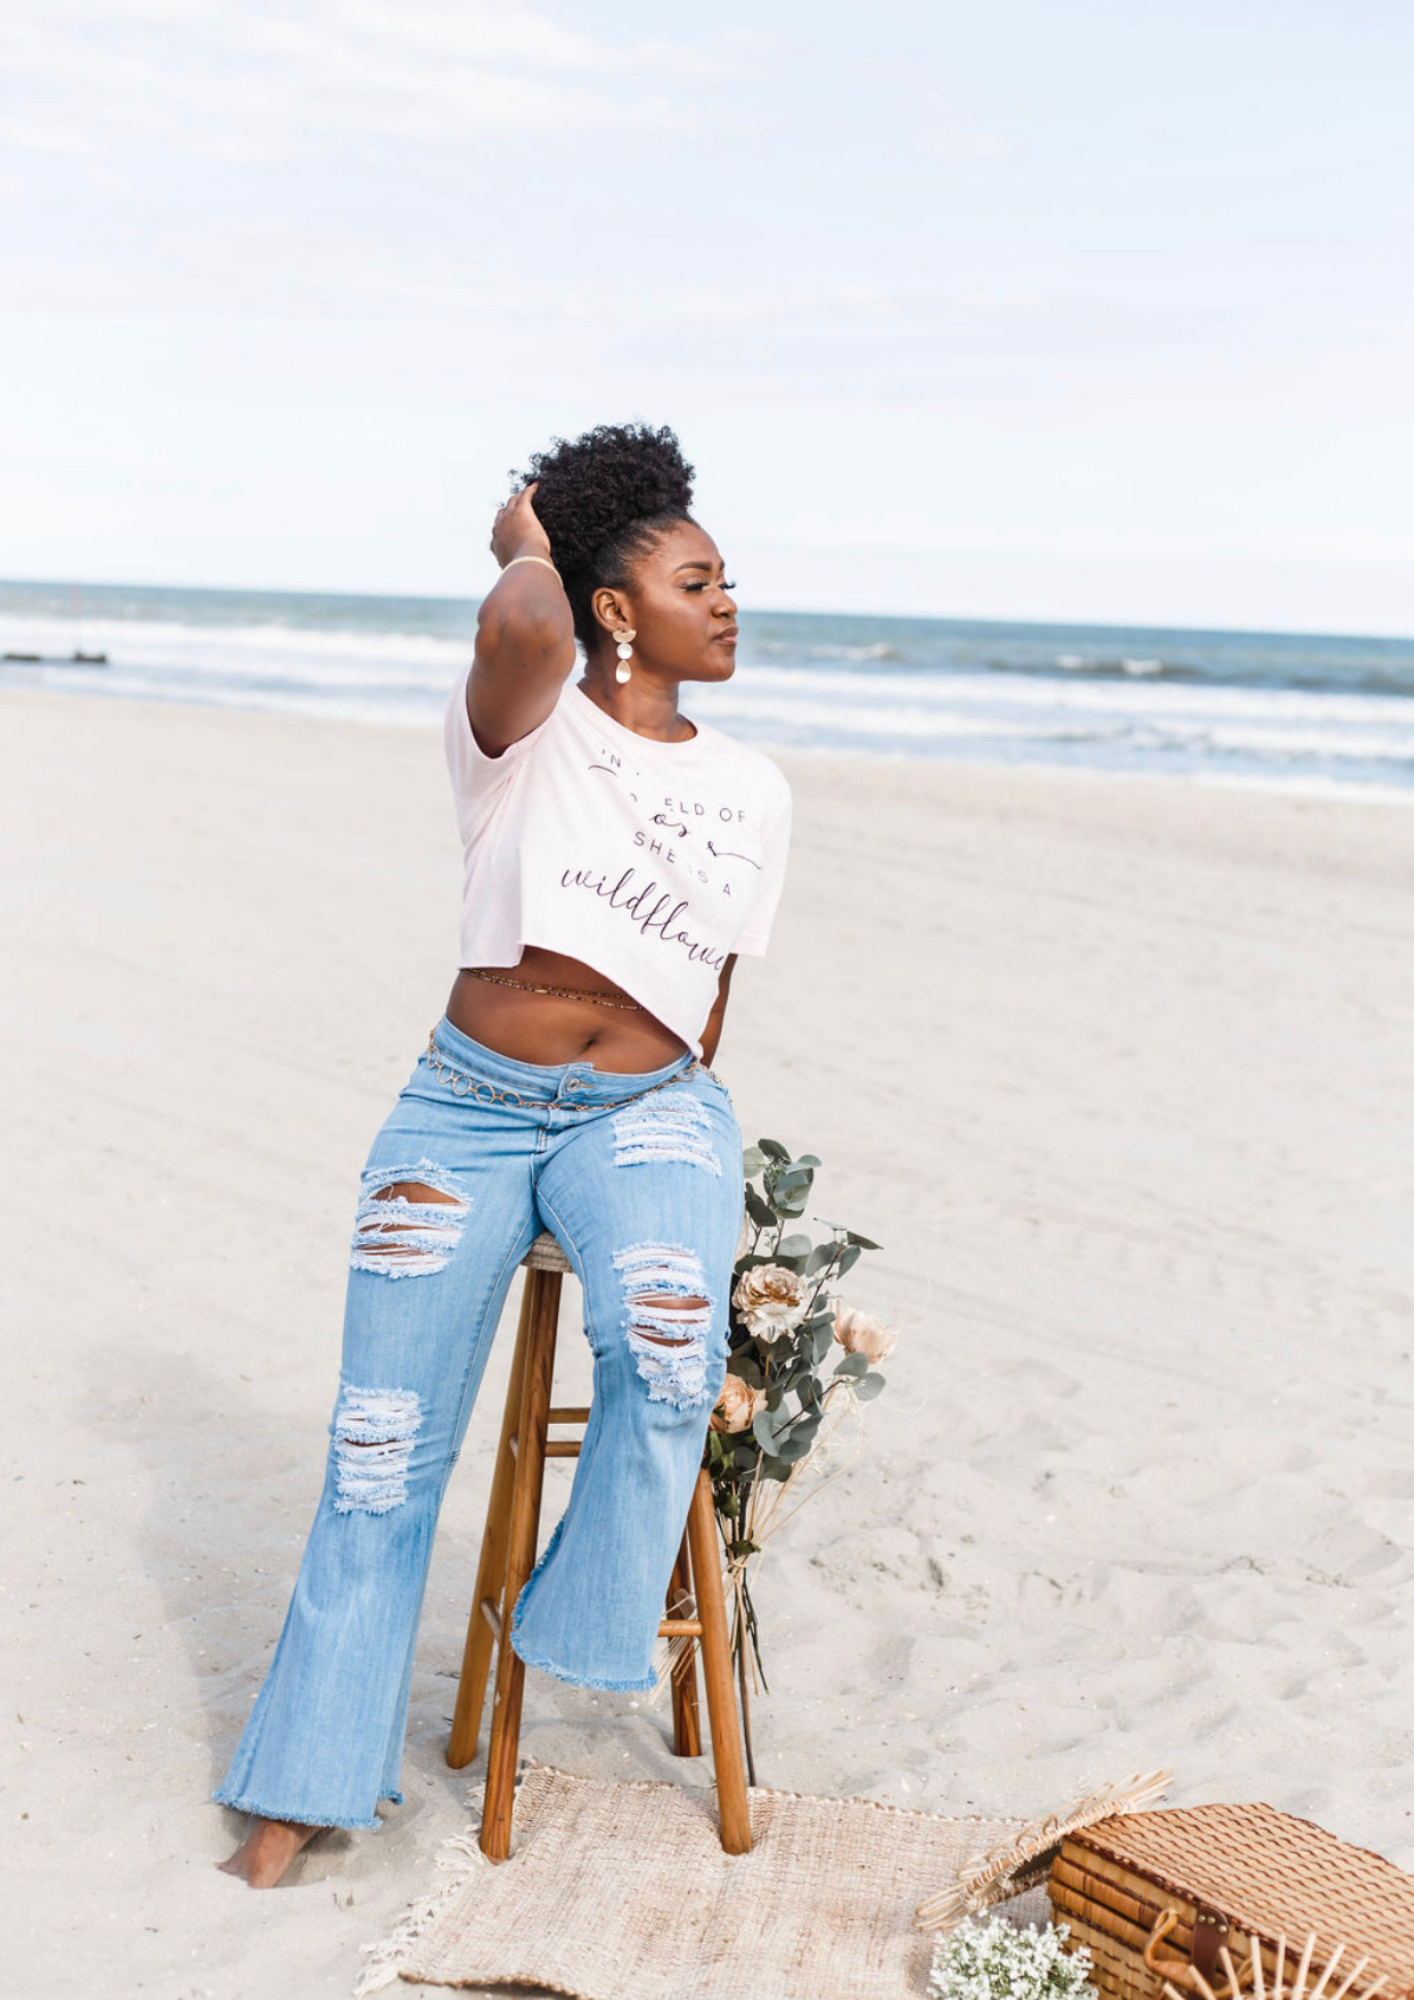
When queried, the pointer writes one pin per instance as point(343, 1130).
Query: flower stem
point(746, 1716)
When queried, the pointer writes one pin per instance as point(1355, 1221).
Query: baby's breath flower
point(990, 1959)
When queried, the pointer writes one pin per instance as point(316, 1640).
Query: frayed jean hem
point(559, 1673)
point(256, 1811)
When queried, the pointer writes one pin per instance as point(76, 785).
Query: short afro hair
point(601, 499)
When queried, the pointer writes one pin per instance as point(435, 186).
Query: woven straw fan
point(1238, 1978)
point(1022, 1859)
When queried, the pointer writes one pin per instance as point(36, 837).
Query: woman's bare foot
point(267, 1851)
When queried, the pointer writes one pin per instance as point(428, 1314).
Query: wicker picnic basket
point(1159, 1896)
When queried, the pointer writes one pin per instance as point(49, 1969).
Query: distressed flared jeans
point(640, 1180)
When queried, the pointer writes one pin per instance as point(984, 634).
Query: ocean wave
point(325, 658)
point(1089, 706)
point(1099, 697)
point(1080, 663)
point(796, 649)
point(265, 701)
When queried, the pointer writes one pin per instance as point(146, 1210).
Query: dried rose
point(737, 1405)
point(771, 1299)
point(861, 1333)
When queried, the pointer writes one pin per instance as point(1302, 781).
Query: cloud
point(957, 146)
point(43, 135)
point(259, 84)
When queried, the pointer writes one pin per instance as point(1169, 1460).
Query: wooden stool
point(508, 1556)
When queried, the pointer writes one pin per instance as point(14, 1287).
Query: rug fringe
point(458, 1859)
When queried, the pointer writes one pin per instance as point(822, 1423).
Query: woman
point(618, 858)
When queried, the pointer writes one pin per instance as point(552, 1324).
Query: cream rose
point(736, 1406)
point(771, 1299)
point(861, 1333)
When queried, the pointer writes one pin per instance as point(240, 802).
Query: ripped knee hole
point(669, 1315)
point(409, 1221)
point(665, 1304)
point(374, 1433)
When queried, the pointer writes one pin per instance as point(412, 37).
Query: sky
point(1096, 311)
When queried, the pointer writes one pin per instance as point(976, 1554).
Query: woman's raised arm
point(524, 634)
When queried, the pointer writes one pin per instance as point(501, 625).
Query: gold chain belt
point(560, 992)
point(481, 1092)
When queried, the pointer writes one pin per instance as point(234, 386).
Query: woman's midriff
point(542, 1028)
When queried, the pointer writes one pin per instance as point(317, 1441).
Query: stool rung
point(693, 1618)
point(669, 1628)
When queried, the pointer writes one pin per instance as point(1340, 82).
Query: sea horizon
point(1309, 712)
point(447, 597)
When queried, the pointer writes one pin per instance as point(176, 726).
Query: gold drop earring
point(623, 634)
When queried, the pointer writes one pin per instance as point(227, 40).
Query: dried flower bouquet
point(784, 1424)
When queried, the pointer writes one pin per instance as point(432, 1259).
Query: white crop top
point(649, 861)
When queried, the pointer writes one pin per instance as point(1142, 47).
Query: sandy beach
point(1120, 1072)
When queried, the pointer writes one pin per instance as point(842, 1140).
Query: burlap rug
point(622, 1892)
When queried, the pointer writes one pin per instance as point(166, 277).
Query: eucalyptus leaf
point(763, 1428)
point(759, 1211)
point(791, 1371)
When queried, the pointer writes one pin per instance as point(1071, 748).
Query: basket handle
point(1192, 1977)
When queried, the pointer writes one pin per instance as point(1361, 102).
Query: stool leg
point(733, 1812)
point(491, 1570)
point(687, 1724)
point(525, 1526)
